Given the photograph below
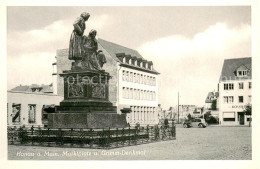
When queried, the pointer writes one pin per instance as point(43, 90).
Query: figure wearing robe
point(89, 60)
point(76, 39)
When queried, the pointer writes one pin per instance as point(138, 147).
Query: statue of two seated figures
point(84, 49)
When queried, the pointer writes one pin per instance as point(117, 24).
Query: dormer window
point(128, 59)
point(144, 65)
point(242, 73)
point(133, 61)
point(138, 63)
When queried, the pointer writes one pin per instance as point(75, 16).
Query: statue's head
point(93, 33)
point(85, 16)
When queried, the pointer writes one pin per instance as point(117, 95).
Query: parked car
point(201, 123)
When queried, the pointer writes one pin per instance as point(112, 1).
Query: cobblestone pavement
point(211, 143)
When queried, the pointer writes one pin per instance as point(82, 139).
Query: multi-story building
point(134, 82)
point(235, 85)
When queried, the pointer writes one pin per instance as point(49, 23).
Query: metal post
point(178, 109)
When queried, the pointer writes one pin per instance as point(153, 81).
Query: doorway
point(241, 117)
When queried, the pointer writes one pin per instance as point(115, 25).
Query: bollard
point(117, 137)
point(71, 137)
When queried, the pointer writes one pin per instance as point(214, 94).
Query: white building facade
point(138, 90)
point(26, 108)
point(235, 91)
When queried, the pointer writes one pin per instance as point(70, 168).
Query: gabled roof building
point(235, 91)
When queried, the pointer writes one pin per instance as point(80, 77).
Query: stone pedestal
point(86, 103)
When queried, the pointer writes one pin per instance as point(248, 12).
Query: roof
point(231, 65)
point(26, 88)
point(115, 49)
point(211, 96)
point(21, 88)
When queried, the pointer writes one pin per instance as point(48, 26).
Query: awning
point(126, 110)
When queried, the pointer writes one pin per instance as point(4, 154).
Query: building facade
point(25, 108)
point(134, 82)
point(235, 91)
point(184, 110)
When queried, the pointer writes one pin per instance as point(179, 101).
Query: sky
point(187, 45)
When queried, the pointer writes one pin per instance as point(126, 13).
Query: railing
point(90, 138)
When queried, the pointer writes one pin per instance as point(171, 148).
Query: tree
point(214, 105)
point(248, 112)
point(166, 123)
point(189, 117)
point(207, 116)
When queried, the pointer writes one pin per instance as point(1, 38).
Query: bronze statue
point(101, 58)
point(83, 49)
point(76, 45)
point(90, 46)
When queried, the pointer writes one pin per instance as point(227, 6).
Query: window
point(131, 94)
point(228, 119)
point(241, 85)
point(228, 86)
point(154, 81)
point(228, 116)
point(231, 86)
point(31, 113)
point(248, 119)
point(225, 86)
point(249, 99)
point(240, 99)
point(242, 73)
point(126, 75)
point(135, 79)
point(249, 85)
point(124, 92)
point(131, 77)
point(123, 75)
point(138, 63)
point(127, 93)
point(133, 61)
point(228, 99)
point(16, 113)
point(141, 79)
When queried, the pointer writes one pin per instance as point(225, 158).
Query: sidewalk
point(215, 125)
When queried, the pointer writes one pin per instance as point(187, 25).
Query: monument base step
point(86, 120)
